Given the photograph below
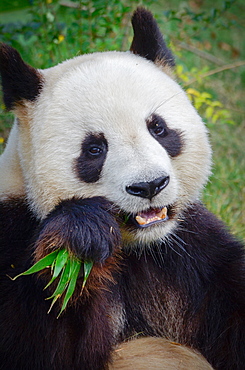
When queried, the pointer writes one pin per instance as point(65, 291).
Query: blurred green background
point(207, 38)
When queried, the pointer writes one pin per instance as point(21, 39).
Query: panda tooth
point(163, 213)
point(140, 220)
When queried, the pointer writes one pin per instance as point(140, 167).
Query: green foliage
point(194, 33)
point(191, 22)
point(58, 30)
point(45, 262)
point(65, 264)
point(225, 192)
point(6, 120)
point(212, 110)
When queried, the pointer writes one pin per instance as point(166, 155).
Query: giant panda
point(107, 158)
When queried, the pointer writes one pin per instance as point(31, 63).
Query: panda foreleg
point(86, 227)
point(30, 337)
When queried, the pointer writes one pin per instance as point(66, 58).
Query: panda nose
point(148, 189)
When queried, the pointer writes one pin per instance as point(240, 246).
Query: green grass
point(215, 28)
point(225, 193)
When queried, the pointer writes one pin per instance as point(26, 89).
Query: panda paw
point(86, 227)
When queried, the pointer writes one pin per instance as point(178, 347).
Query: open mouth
point(148, 217)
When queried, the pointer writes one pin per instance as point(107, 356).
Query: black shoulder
point(204, 227)
point(218, 254)
point(17, 224)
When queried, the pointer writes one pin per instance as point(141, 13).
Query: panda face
point(114, 125)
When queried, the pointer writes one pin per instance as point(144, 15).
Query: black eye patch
point(93, 154)
point(171, 140)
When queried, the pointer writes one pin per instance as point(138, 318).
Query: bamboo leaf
point(73, 262)
point(40, 265)
point(53, 302)
point(72, 284)
point(59, 263)
point(87, 269)
point(64, 280)
point(69, 266)
point(52, 266)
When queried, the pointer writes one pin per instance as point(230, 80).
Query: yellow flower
point(1, 140)
point(61, 38)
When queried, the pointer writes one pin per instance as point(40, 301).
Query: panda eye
point(171, 140)
point(95, 146)
point(95, 150)
point(158, 130)
point(157, 127)
point(90, 162)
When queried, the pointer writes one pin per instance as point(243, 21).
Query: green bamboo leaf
point(87, 269)
point(40, 265)
point(64, 280)
point(59, 263)
point(72, 284)
point(52, 266)
point(53, 302)
point(73, 263)
point(126, 218)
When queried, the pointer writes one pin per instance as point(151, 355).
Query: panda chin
point(149, 217)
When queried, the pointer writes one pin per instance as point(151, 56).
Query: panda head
point(111, 124)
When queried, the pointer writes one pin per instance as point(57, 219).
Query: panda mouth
point(149, 217)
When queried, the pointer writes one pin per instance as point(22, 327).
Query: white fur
point(113, 93)
point(11, 183)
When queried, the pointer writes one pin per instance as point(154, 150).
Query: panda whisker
point(180, 243)
point(160, 254)
point(176, 240)
point(165, 101)
point(156, 253)
point(174, 250)
point(113, 208)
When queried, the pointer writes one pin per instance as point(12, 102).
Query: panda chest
point(151, 305)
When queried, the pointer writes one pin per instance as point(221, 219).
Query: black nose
point(148, 189)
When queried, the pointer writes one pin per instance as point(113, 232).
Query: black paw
point(84, 226)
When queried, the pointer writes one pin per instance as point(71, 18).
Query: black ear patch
point(19, 80)
point(148, 41)
point(93, 154)
point(171, 140)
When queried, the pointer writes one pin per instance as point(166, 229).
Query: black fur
point(190, 289)
point(84, 226)
point(90, 162)
point(148, 41)
point(29, 337)
point(171, 140)
point(19, 80)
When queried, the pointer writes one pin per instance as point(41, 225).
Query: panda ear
point(148, 41)
point(19, 80)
